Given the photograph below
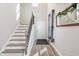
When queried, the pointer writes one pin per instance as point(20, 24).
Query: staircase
point(15, 46)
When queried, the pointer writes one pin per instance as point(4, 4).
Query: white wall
point(40, 14)
point(7, 21)
point(66, 38)
point(25, 12)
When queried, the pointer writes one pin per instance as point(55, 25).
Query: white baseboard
point(55, 50)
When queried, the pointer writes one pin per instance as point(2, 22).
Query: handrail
point(29, 33)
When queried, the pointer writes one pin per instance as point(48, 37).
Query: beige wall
point(40, 14)
point(8, 21)
point(25, 12)
point(66, 38)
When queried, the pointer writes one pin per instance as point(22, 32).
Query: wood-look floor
point(41, 50)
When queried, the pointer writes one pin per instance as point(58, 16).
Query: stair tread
point(15, 47)
point(19, 32)
point(21, 29)
point(18, 35)
point(17, 40)
point(12, 54)
point(22, 25)
point(13, 51)
point(16, 44)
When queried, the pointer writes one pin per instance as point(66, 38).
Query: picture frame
point(68, 17)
